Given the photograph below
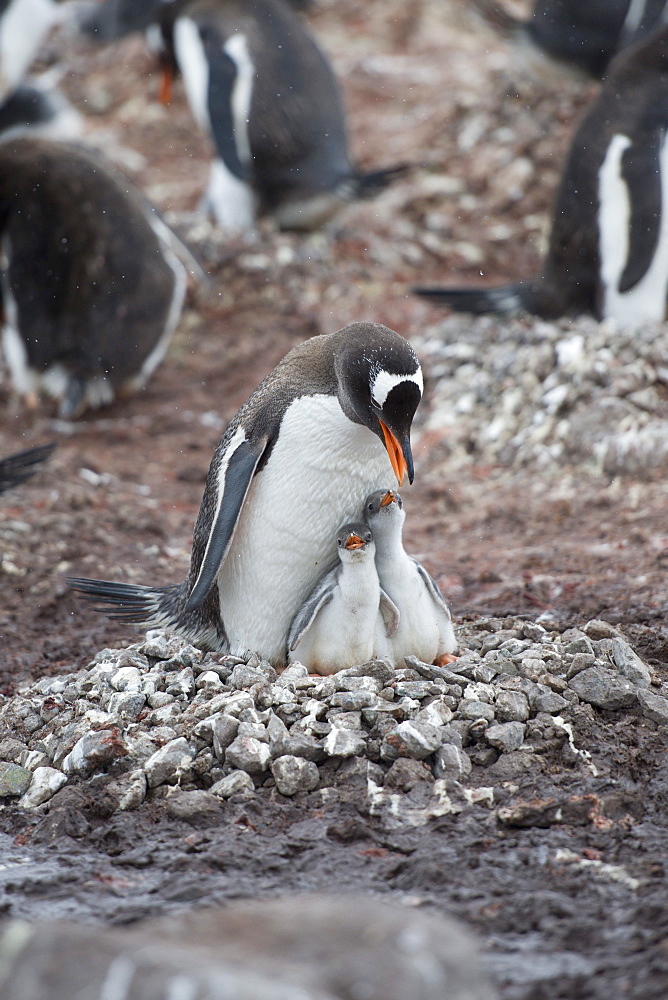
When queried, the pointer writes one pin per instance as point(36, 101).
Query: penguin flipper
point(16, 468)
point(389, 612)
point(475, 300)
point(236, 474)
point(432, 587)
point(319, 598)
point(641, 172)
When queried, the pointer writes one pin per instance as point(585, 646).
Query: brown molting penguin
point(92, 286)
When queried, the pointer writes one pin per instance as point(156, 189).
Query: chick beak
point(387, 499)
point(354, 542)
point(396, 454)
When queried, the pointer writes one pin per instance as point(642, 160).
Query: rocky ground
point(522, 789)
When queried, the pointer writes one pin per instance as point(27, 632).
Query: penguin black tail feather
point(366, 185)
point(499, 18)
point(476, 300)
point(129, 602)
point(16, 468)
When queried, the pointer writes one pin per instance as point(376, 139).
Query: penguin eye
point(374, 402)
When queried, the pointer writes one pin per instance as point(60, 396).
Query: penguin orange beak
point(165, 93)
point(354, 542)
point(387, 499)
point(394, 450)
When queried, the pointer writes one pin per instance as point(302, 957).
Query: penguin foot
point(444, 659)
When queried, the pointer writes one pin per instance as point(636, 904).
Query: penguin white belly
point(425, 629)
point(318, 475)
point(343, 632)
point(646, 301)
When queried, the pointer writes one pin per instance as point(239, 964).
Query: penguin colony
point(297, 552)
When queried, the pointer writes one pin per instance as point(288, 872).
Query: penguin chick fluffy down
point(348, 618)
point(92, 287)
point(425, 626)
point(326, 427)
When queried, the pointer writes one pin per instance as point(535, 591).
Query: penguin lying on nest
point(322, 430)
point(584, 36)
point(260, 87)
point(92, 286)
point(608, 249)
point(21, 466)
point(348, 619)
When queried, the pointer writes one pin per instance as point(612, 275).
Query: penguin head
point(354, 541)
point(384, 504)
point(380, 385)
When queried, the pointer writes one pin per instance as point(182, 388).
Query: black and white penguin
point(20, 466)
point(585, 36)
point(328, 425)
point(91, 283)
point(347, 619)
point(425, 625)
point(258, 84)
point(608, 249)
point(36, 110)
point(24, 25)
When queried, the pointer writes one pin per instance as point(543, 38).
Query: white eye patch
point(384, 382)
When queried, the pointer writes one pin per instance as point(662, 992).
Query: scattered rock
point(604, 689)
point(294, 774)
point(14, 780)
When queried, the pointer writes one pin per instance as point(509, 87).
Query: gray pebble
point(451, 762)
point(410, 739)
point(294, 774)
point(232, 784)
point(629, 664)
point(248, 754)
point(169, 762)
point(14, 780)
point(343, 743)
point(654, 706)
point(506, 736)
point(604, 689)
point(45, 783)
point(471, 708)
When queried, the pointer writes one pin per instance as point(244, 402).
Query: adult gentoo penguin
point(608, 249)
point(328, 425)
point(348, 618)
point(425, 626)
point(92, 286)
point(18, 467)
point(259, 85)
point(584, 36)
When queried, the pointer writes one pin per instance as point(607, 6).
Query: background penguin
point(259, 85)
point(24, 25)
point(348, 618)
point(328, 425)
point(32, 108)
point(585, 35)
point(425, 626)
point(20, 466)
point(608, 249)
point(92, 287)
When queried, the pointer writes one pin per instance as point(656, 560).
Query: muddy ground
point(575, 909)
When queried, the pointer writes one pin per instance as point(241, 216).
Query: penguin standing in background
point(329, 424)
point(582, 35)
point(348, 618)
point(91, 283)
point(608, 249)
point(259, 85)
point(20, 466)
point(425, 626)
point(24, 24)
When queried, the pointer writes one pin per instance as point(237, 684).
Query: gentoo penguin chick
point(608, 250)
point(24, 25)
point(582, 36)
point(92, 287)
point(259, 85)
point(348, 618)
point(20, 466)
point(425, 626)
point(322, 430)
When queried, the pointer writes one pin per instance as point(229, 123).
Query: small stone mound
point(161, 714)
